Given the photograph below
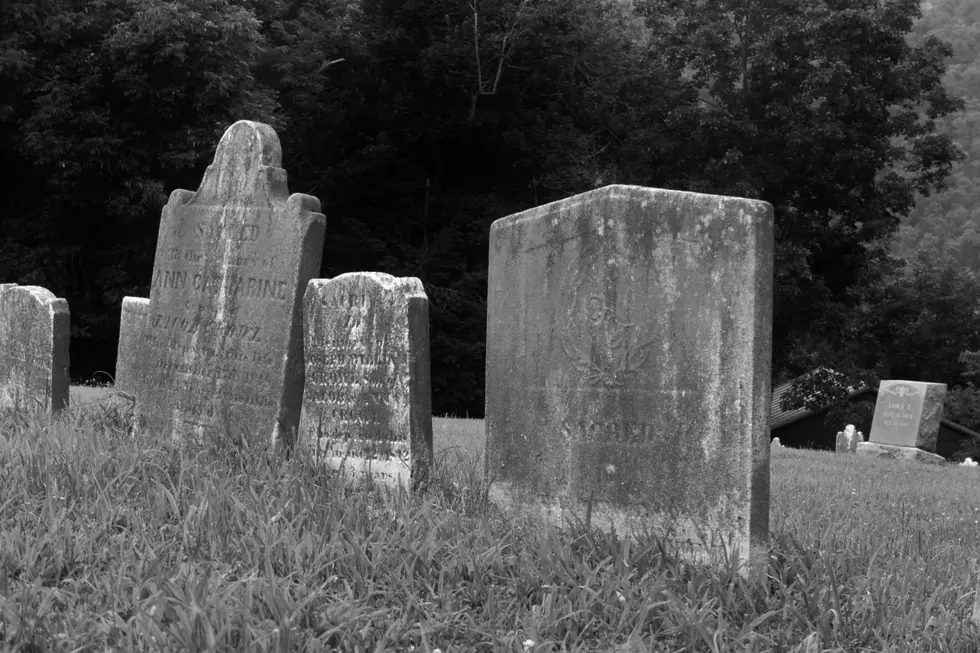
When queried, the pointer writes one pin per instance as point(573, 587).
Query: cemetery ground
point(111, 543)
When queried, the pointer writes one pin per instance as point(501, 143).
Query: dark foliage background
point(419, 123)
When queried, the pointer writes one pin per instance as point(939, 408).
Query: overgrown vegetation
point(107, 542)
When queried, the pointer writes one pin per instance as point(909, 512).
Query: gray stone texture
point(34, 340)
point(131, 325)
point(367, 405)
point(908, 414)
point(847, 440)
point(221, 351)
point(628, 366)
point(896, 452)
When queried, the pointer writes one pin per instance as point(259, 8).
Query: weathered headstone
point(131, 325)
point(221, 349)
point(975, 616)
point(908, 414)
point(34, 339)
point(628, 366)
point(848, 439)
point(367, 406)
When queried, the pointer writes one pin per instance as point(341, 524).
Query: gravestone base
point(357, 459)
point(704, 539)
point(899, 453)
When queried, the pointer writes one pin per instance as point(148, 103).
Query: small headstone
point(221, 351)
point(908, 414)
point(847, 440)
point(776, 443)
point(895, 452)
point(131, 326)
point(34, 339)
point(367, 406)
point(628, 366)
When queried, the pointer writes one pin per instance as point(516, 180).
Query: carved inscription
point(898, 414)
point(599, 329)
point(232, 285)
point(362, 376)
point(349, 382)
point(610, 431)
point(219, 347)
point(34, 328)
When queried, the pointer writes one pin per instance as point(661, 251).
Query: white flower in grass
point(528, 644)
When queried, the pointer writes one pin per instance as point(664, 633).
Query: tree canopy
point(419, 123)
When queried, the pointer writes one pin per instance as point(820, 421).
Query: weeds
point(113, 542)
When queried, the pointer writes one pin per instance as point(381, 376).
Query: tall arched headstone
point(34, 341)
point(220, 348)
point(628, 366)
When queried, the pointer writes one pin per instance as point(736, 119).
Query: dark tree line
point(419, 123)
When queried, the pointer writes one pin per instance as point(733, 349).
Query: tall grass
point(114, 543)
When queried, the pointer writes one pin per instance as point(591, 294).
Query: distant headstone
point(131, 326)
point(908, 414)
point(367, 406)
point(628, 366)
point(221, 351)
point(34, 338)
point(847, 440)
point(896, 452)
point(775, 443)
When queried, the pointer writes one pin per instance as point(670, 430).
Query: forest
point(418, 123)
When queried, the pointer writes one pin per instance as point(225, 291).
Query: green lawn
point(107, 543)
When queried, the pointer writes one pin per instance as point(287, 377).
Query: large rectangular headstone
point(34, 339)
point(222, 349)
point(367, 406)
point(908, 414)
point(628, 366)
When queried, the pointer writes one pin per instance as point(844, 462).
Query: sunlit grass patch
point(111, 542)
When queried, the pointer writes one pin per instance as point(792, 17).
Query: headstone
point(975, 616)
point(131, 325)
point(367, 406)
point(776, 443)
point(908, 414)
point(628, 366)
point(847, 440)
point(895, 452)
point(221, 350)
point(34, 339)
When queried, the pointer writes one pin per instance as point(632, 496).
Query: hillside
point(949, 222)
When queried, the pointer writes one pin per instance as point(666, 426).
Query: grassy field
point(107, 543)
